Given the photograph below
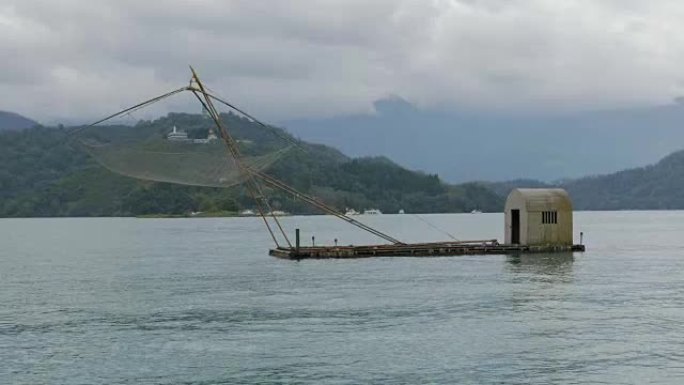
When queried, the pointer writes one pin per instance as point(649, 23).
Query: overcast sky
point(78, 59)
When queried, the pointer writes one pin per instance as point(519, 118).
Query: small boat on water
point(277, 213)
point(372, 212)
point(351, 212)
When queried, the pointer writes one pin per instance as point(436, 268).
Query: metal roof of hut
point(541, 199)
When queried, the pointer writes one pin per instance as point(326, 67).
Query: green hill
point(655, 187)
point(44, 174)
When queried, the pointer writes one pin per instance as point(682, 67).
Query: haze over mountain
point(465, 146)
point(13, 121)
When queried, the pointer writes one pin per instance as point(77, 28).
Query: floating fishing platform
point(417, 250)
point(536, 220)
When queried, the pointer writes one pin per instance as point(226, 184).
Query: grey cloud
point(77, 59)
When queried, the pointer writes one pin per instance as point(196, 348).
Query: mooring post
point(313, 241)
point(581, 237)
point(297, 240)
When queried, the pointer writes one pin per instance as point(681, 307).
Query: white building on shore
point(177, 135)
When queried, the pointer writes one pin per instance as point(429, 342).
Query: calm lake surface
point(199, 301)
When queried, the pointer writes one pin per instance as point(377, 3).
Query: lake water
point(199, 301)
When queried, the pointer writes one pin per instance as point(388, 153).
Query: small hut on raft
point(536, 217)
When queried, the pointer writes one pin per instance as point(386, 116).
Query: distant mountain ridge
point(10, 121)
point(655, 187)
point(462, 146)
point(42, 176)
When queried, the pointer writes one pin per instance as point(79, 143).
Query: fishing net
point(180, 158)
point(207, 164)
point(193, 155)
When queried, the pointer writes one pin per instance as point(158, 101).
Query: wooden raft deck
point(415, 250)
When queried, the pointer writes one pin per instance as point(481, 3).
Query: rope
point(255, 120)
point(436, 228)
point(313, 201)
point(275, 182)
point(252, 186)
point(129, 110)
point(223, 134)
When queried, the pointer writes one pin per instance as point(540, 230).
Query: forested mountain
point(12, 121)
point(46, 173)
point(655, 187)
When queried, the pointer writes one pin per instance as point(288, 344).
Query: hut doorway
point(515, 227)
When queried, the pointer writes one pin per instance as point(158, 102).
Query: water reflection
point(538, 280)
point(550, 265)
